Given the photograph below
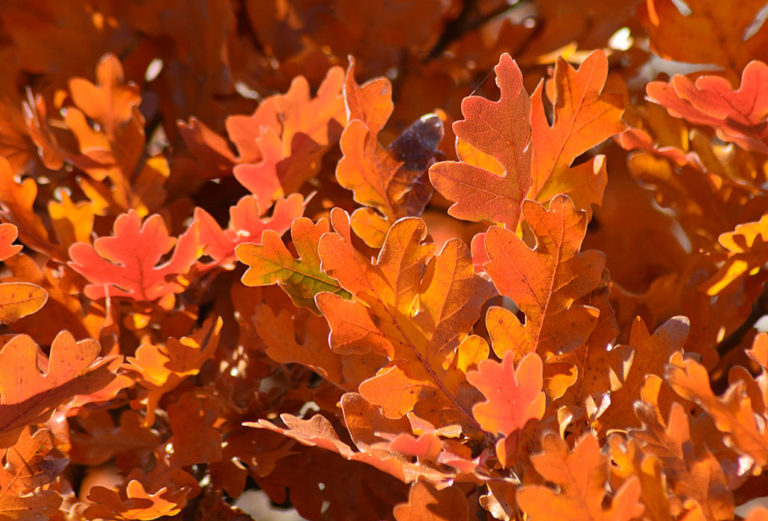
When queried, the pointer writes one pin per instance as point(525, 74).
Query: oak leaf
point(387, 181)
point(17, 206)
point(747, 248)
point(271, 262)
point(414, 305)
point(101, 438)
point(30, 463)
point(281, 144)
point(513, 394)
point(19, 299)
point(161, 368)
point(8, 234)
point(738, 116)
point(493, 176)
point(132, 502)
point(708, 31)
point(449, 504)
point(584, 117)
point(125, 264)
point(650, 356)
point(247, 223)
point(547, 281)
point(692, 471)
point(581, 477)
point(32, 384)
point(741, 420)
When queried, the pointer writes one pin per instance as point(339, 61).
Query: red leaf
point(738, 116)
point(247, 223)
point(125, 264)
point(513, 396)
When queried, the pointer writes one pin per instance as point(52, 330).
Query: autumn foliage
point(435, 259)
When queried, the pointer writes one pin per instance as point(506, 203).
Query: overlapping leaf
point(738, 116)
point(581, 476)
point(32, 384)
point(510, 152)
point(389, 182)
point(281, 144)
point(162, 367)
point(247, 223)
point(707, 31)
point(408, 305)
point(494, 138)
point(29, 464)
point(545, 282)
point(270, 262)
point(747, 248)
point(740, 413)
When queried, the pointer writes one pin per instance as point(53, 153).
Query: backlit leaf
point(126, 264)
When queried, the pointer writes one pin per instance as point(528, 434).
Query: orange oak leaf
point(297, 336)
point(30, 463)
point(580, 476)
point(747, 248)
point(513, 395)
point(449, 504)
point(19, 299)
point(738, 116)
point(706, 31)
point(319, 432)
point(247, 223)
point(32, 384)
point(131, 502)
point(163, 367)
point(387, 181)
point(650, 356)
point(584, 117)
point(17, 206)
point(413, 306)
point(72, 222)
point(209, 148)
point(195, 437)
point(281, 145)
point(351, 489)
point(109, 141)
point(493, 175)
point(101, 438)
point(691, 469)
point(271, 262)
point(125, 264)
point(8, 234)
point(736, 414)
point(547, 281)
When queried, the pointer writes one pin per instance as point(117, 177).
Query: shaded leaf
point(8, 234)
point(32, 384)
point(30, 463)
